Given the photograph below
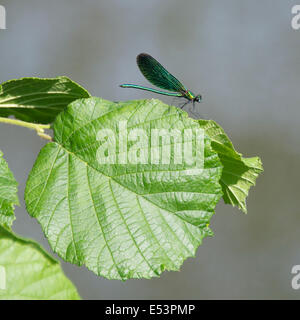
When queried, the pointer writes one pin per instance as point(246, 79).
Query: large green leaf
point(28, 272)
point(239, 173)
point(123, 220)
point(8, 194)
point(38, 100)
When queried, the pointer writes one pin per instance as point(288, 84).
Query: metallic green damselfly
point(155, 73)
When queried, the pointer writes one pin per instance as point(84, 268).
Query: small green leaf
point(239, 173)
point(122, 221)
point(8, 194)
point(38, 100)
point(28, 272)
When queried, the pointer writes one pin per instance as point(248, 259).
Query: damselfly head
point(198, 98)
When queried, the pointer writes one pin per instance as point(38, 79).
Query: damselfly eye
point(198, 98)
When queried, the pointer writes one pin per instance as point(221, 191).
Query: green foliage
point(8, 194)
point(38, 100)
point(239, 173)
point(131, 219)
point(28, 272)
point(121, 221)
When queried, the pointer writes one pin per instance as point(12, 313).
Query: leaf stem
point(39, 128)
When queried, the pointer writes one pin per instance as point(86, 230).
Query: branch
point(39, 128)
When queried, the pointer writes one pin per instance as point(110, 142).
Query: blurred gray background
point(243, 57)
